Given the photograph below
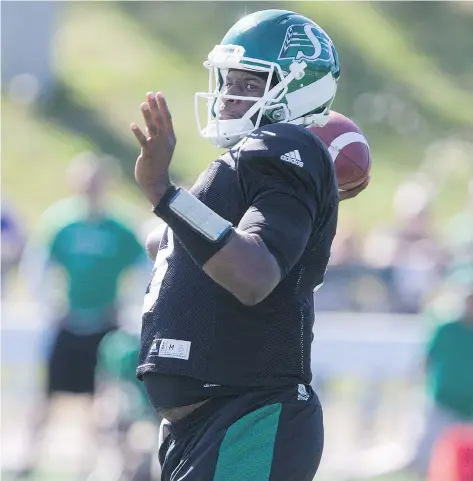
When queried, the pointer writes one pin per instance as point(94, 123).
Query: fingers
point(364, 184)
point(167, 119)
point(139, 135)
point(156, 112)
point(163, 106)
point(157, 118)
point(349, 194)
point(361, 187)
point(149, 121)
point(161, 115)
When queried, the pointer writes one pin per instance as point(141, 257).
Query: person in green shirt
point(449, 370)
point(91, 249)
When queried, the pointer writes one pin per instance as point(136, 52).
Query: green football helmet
point(286, 45)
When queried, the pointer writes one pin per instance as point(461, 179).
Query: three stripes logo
point(293, 157)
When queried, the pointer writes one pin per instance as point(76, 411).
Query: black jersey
point(192, 326)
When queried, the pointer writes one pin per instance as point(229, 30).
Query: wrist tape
point(200, 230)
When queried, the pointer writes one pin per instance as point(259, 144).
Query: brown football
point(348, 147)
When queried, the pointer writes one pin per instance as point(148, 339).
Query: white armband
point(200, 217)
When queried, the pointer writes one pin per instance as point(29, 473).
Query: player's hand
point(349, 194)
point(157, 147)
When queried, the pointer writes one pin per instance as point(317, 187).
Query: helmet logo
point(301, 43)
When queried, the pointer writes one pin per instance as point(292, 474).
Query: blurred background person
point(459, 238)
point(449, 376)
point(13, 240)
point(452, 457)
point(408, 249)
point(91, 248)
point(418, 257)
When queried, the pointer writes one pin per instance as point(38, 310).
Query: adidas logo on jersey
point(293, 157)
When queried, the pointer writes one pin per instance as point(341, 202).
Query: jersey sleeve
point(285, 177)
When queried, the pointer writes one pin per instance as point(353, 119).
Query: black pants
point(71, 365)
point(274, 435)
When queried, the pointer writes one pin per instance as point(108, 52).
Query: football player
point(228, 315)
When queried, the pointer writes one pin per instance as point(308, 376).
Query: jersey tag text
point(171, 348)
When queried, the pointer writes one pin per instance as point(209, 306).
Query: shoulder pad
point(285, 143)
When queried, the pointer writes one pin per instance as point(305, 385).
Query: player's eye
point(250, 86)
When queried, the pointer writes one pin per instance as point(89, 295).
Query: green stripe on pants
point(246, 452)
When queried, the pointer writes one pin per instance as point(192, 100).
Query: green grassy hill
point(405, 79)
